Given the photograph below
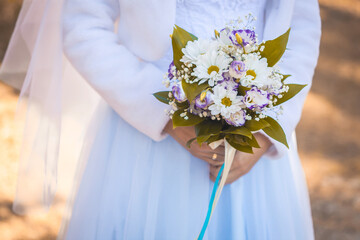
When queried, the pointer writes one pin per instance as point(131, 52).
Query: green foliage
point(254, 125)
point(215, 138)
point(285, 77)
point(236, 144)
point(180, 38)
point(193, 90)
point(252, 142)
point(242, 90)
point(275, 131)
point(162, 96)
point(182, 105)
point(238, 131)
point(206, 129)
point(274, 49)
point(188, 143)
point(181, 122)
point(293, 90)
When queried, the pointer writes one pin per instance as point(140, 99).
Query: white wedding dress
point(136, 188)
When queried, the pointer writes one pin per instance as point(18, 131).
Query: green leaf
point(293, 90)
point(180, 38)
point(254, 125)
point(275, 131)
point(245, 141)
point(162, 96)
point(242, 90)
point(182, 105)
point(193, 89)
point(215, 138)
point(247, 149)
point(238, 139)
point(181, 122)
point(188, 143)
point(285, 77)
point(274, 49)
point(252, 142)
point(239, 131)
point(208, 127)
point(201, 139)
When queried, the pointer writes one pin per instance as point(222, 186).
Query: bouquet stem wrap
point(218, 186)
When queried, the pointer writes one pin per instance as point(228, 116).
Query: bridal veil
point(55, 105)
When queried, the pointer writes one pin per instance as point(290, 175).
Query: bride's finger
point(218, 161)
point(213, 158)
point(212, 177)
point(209, 160)
point(214, 170)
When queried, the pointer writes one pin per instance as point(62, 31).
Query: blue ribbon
point(216, 184)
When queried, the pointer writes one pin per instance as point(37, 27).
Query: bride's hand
point(243, 162)
point(183, 134)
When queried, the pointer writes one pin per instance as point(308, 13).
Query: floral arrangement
point(227, 87)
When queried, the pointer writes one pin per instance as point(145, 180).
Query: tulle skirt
point(135, 188)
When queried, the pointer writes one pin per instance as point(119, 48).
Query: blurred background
point(328, 134)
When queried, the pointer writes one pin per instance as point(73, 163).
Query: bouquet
point(227, 87)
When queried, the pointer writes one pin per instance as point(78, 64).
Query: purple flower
point(170, 70)
point(228, 82)
point(178, 92)
point(237, 119)
point(203, 103)
point(256, 99)
point(237, 69)
point(247, 36)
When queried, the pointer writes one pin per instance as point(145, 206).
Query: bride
point(135, 177)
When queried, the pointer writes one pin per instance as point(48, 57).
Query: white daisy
point(257, 73)
point(210, 67)
point(226, 102)
point(196, 48)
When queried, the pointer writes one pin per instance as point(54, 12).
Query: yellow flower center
point(251, 73)
point(213, 68)
point(226, 101)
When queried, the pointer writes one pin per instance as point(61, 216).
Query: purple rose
point(237, 119)
point(256, 99)
point(203, 103)
point(178, 92)
point(228, 82)
point(237, 69)
point(247, 36)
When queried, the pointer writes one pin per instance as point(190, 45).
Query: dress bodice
point(202, 17)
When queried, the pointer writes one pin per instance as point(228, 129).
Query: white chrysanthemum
point(257, 73)
point(210, 67)
point(226, 102)
point(196, 48)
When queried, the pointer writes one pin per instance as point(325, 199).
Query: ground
point(328, 133)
